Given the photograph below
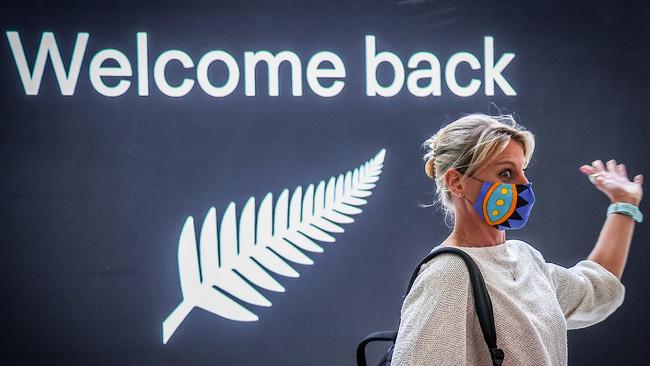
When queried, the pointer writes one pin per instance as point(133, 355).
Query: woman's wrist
point(631, 200)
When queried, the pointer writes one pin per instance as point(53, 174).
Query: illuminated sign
point(425, 66)
point(266, 242)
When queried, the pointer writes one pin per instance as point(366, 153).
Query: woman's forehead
point(512, 155)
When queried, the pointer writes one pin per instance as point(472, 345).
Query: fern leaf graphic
point(228, 261)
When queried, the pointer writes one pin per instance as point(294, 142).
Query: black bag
point(482, 303)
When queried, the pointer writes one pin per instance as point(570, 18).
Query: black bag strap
point(386, 335)
point(482, 301)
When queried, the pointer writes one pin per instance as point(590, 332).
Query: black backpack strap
point(482, 300)
point(376, 336)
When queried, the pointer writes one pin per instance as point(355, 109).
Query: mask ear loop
point(460, 194)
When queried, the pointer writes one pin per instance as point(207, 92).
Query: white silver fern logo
point(265, 243)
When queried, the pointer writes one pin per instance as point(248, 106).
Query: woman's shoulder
point(445, 267)
point(510, 247)
point(444, 274)
point(514, 250)
point(441, 287)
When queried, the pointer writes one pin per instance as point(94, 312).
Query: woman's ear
point(452, 180)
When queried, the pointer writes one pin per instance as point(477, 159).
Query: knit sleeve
point(432, 330)
point(587, 292)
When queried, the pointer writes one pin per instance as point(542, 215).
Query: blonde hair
point(465, 144)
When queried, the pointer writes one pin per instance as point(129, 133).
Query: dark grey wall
point(95, 190)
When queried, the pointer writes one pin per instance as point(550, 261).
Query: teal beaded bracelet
point(626, 209)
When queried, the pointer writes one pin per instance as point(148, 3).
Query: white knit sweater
point(534, 304)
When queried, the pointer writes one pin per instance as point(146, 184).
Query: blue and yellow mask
point(504, 206)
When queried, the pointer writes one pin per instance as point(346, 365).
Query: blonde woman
point(478, 163)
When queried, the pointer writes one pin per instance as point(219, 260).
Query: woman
point(478, 163)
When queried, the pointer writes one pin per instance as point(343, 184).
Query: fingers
point(598, 165)
point(611, 166)
point(587, 169)
point(620, 168)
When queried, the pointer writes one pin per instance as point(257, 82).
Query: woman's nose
point(523, 179)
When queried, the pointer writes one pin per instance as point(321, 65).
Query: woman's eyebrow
point(507, 162)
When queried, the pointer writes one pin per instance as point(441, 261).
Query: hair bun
point(430, 168)
point(432, 144)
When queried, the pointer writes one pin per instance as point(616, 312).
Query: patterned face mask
point(504, 206)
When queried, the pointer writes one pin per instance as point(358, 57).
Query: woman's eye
point(509, 171)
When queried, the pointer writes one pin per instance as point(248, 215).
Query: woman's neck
point(475, 236)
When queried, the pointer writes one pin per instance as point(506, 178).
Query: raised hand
point(614, 181)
